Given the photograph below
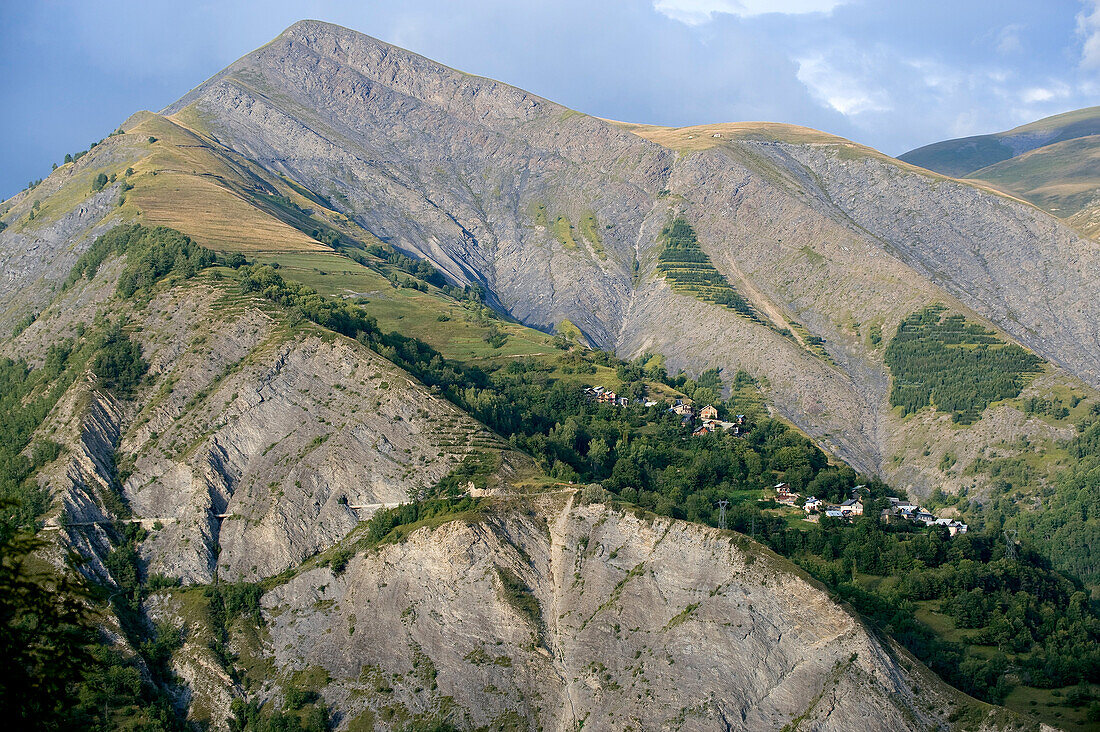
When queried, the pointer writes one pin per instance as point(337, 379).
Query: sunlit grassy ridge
point(188, 184)
point(702, 137)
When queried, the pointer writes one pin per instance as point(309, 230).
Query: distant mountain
point(1053, 163)
point(962, 156)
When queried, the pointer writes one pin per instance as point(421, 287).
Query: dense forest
point(1023, 622)
point(941, 360)
point(151, 254)
point(1067, 529)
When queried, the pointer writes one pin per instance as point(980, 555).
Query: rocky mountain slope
point(254, 442)
point(618, 622)
point(1051, 163)
point(558, 216)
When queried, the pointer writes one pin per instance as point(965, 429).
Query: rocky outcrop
point(256, 440)
point(641, 623)
point(262, 444)
point(81, 483)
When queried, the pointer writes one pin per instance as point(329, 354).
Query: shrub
point(119, 364)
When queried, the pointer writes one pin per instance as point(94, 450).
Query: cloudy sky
point(893, 74)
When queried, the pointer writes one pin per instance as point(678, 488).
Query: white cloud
point(697, 12)
point(935, 74)
point(1088, 27)
point(1038, 94)
point(1008, 40)
point(843, 92)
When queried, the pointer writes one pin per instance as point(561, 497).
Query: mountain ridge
point(485, 230)
point(349, 189)
point(1049, 163)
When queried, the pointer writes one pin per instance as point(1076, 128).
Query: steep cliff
point(254, 442)
point(557, 615)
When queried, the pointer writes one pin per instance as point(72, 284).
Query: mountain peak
point(319, 33)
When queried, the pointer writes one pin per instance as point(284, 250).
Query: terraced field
point(688, 271)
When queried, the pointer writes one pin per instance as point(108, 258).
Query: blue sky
point(893, 74)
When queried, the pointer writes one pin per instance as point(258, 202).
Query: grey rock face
point(254, 444)
point(452, 167)
point(262, 439)
point(644, 624)
point(1021, 268)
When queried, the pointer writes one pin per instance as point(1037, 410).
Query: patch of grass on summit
point(950, 364)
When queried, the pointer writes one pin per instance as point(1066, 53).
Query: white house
point(853, 506)
point(953, 527)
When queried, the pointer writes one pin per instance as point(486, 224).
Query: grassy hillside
point(963, 156)
point(1065, 126)
point(187, 183)
point(1062, 178)
point(959, 157)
